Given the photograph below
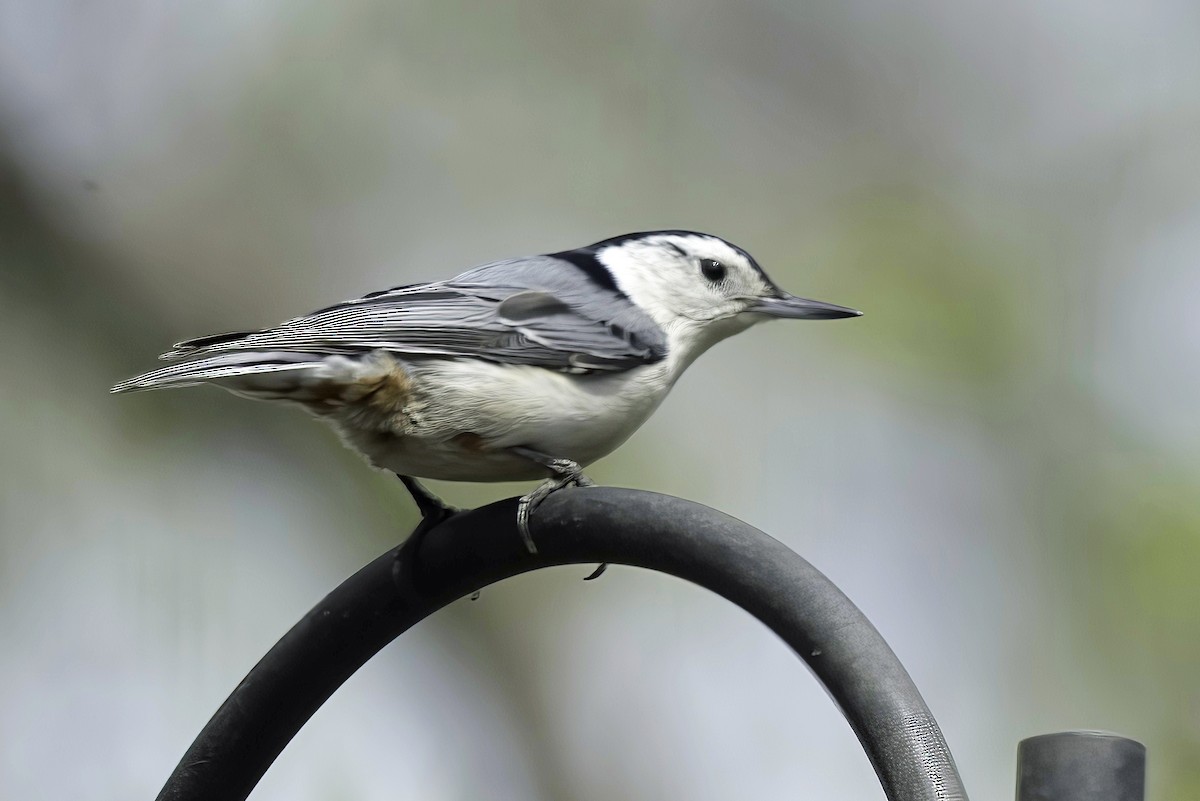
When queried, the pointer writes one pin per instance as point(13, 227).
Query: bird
point(518, 369)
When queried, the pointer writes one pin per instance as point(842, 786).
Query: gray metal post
point(1081, 766)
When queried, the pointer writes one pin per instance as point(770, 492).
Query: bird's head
point(700, 288)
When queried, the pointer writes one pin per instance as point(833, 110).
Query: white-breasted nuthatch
point(514, 370)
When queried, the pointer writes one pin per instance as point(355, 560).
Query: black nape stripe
point(585, 259)
point(623, 238)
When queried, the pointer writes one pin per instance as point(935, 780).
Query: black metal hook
point(473, 549)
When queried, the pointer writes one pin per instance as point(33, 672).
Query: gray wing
point(541, 311)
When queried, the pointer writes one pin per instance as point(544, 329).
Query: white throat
point(636, 274)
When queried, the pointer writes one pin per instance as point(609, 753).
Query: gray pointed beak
point(794, 308)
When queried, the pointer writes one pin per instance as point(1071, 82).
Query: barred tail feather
point(218, 369)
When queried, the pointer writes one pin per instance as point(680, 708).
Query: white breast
point(465, 412)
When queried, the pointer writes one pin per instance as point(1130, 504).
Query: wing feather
point(511, 324)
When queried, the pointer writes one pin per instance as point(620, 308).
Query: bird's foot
point(567, 473)
point(533, 500)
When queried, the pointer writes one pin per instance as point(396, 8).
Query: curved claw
point(533, 500)
point(524, 506)
point(567, 473)
point(527, 503)
point(598, 572)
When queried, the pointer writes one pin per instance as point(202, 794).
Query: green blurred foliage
point(954, 307)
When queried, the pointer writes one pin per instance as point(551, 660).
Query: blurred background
point(1000, 463)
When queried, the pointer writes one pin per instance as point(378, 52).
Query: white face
point(684, 278)
point(700, 289)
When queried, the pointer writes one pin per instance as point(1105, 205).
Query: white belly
point(464, 414)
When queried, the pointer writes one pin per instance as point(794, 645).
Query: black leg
point(430, 505)
point(433, 511)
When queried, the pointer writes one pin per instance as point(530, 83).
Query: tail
point(321, 382)
point(249, 372)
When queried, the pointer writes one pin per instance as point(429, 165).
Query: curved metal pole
point(477, 548)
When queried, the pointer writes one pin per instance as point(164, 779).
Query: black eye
point(712, 269)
